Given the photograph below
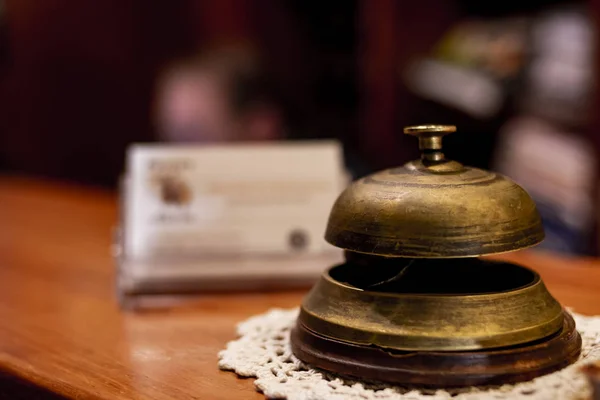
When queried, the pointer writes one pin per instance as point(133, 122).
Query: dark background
point(77, 77)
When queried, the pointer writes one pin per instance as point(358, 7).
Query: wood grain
point(62, 330)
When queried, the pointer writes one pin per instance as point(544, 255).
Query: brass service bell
point(414, 304)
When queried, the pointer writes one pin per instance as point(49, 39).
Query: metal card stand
point(143, 281)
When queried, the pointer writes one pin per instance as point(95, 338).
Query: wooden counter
point(63, 334)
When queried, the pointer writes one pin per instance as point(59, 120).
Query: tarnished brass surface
point(441, 369)
point(432, 311)
point(434, 208)
point(413, 284)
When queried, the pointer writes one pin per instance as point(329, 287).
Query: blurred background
point(81, 80)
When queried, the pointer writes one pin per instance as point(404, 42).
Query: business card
point(230, 200)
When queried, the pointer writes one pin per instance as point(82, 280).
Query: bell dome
point(434, 208)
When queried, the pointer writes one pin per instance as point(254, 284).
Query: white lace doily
point(263, 351)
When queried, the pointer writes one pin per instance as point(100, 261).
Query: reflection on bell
point(413, 304)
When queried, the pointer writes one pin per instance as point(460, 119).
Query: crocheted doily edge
point(274, 386)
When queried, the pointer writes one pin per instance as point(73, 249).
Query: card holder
point(236, 220)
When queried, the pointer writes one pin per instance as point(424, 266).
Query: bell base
point(440, 369)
